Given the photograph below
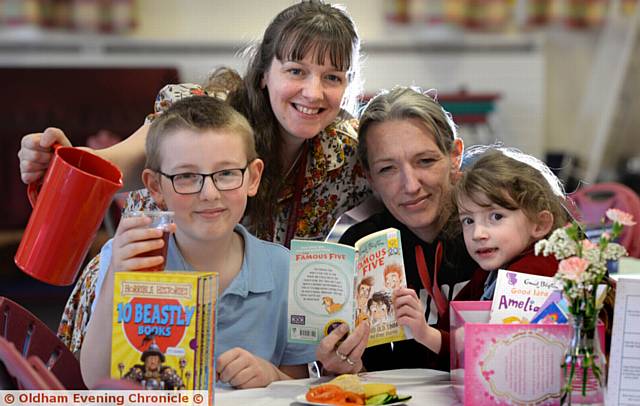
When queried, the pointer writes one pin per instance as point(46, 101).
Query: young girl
point(202, 165)
point(507, 201)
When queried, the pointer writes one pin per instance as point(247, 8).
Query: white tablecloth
point(427, 387)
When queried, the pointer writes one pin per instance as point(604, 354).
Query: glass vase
point(584, 366)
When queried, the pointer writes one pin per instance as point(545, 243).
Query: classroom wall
point(542, 77)
point(543, 88)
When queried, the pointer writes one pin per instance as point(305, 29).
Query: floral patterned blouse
point(334, 183)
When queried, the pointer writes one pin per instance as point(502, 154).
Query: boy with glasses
point(202, 165)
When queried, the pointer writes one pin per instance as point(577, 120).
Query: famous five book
point(332, 283)
point(164, 328)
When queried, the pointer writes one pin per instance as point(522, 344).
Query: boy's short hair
point(198, 114)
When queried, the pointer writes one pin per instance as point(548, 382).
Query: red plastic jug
point(67, 211)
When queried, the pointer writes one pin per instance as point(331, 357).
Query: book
point(331, 284)
point(624, 365)
point(163, 329)
point(519, 296)
point(554, 310)
point(551, 313)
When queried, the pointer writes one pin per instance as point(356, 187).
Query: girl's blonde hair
point(513, 180)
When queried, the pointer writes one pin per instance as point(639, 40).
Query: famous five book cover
point(331, 284)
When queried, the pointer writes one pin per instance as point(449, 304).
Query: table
point(425, 385)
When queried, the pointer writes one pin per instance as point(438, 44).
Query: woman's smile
point(308, 111)
point(416, 204)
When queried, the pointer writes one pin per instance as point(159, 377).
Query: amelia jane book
point(332, 283)
point(519, 296)
point(164, 328)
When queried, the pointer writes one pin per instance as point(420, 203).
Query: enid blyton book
point(333, 283)
point(518, 296)
point(163, 329)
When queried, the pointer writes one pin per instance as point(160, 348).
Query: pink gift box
point(506, 364)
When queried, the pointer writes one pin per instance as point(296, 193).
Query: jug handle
point(34, 188)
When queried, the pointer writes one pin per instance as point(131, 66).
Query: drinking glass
point(161, 220)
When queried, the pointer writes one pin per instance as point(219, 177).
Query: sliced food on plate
point(348, 389)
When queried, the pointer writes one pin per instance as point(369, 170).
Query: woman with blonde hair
point(411, 157)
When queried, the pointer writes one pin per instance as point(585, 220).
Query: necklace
point(297, 200)
point(301, 151)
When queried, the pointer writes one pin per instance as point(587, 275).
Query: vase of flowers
point(581, 271)
point(584, 367)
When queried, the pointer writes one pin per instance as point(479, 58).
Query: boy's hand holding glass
point(142, 240)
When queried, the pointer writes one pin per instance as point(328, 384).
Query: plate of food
point(302, 399)
point(348, 389)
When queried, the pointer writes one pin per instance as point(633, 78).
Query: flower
point(582, 269)
point(573, 268)
point(618, 216)
point(588, 245)
point(583, 263)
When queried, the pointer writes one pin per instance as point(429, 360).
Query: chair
point(20, 373)
point(593, 201)
point(50, 363)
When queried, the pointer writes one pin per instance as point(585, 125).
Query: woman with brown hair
point(298, 94)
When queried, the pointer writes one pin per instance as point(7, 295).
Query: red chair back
point(24, 375)
point(593, 201)
point(33, 339)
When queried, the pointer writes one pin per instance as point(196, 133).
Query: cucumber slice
point(402, 398)
point(380, 399)
point(385, 399)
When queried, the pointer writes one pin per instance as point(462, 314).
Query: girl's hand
point(345, 358)
point(410, 313)
point(35, 153)
point(132, 239)
point(241, 369)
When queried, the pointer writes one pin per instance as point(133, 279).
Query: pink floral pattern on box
point(505, 364)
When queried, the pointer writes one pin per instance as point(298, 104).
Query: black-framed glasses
point(190, 183)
